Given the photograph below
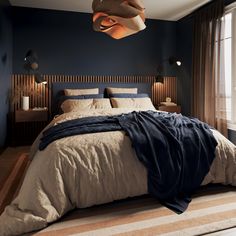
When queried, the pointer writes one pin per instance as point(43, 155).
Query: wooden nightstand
point(24, 126)
point(176, 109)
point(31, 115)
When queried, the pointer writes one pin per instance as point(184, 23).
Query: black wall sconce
point(39, 79)
point(172, 61)
point(32, 66)
point(159, 79)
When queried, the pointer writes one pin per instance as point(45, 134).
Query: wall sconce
point(39, 79)
point(159, 79)
point(32, 66)
point(31, 61)
point(172, 61)
point(118, 18)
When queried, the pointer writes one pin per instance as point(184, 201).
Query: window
point(229, 63)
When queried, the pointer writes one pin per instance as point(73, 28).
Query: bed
point(94, 168)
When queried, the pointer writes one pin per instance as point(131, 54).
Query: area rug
point(10, 185)
point(212, 209)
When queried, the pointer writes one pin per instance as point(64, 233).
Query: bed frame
point(58, 87)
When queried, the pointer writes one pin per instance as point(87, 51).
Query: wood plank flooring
point(13, 165)
point(8, 158)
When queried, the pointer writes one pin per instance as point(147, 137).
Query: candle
point(25, 103)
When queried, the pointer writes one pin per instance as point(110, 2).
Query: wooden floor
point(7, 159)
point(9, 156)
point(13, 165)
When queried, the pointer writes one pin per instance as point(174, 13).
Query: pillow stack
point(83, 99)
point(129, 98)
point(86, 99)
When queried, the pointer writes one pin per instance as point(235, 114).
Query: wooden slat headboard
point(40, 94)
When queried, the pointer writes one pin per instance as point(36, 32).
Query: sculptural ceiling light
point(118, 18)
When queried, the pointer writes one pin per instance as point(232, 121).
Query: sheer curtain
point(208, 101)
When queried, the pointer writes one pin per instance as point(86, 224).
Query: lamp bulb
point(178, 63)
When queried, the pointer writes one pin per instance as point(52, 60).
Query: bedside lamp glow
point(39, 79)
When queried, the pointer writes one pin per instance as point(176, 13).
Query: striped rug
point(212, 209)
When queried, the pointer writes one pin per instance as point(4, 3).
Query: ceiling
point(155, 9)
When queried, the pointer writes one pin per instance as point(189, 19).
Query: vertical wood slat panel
point(168, 89)
point(40, 94)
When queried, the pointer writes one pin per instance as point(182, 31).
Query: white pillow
point(122, 90)
point(76, 92)
point(136, 103)
point(72, 105)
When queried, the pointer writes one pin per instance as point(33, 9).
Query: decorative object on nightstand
point(168, 106)
point(168, 102)
point(25, 103)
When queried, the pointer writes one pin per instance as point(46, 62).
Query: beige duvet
point(89, 169)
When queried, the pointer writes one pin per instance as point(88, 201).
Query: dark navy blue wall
point(5, 65)
point(66, 44)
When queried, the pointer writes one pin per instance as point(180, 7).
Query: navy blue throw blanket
point(176, 150)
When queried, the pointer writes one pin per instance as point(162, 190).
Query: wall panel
point(40, 94)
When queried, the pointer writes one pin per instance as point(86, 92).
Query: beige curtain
point(209, 104)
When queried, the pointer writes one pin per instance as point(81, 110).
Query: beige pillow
point(103, 103)
point(122, 90)
point(72, 105)
point(76, 92)
point(138, 103)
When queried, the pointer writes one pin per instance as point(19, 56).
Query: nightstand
point(31, 115)
point(176, 109)
point(24, 126)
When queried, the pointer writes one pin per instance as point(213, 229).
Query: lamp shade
point(39, 79)
point(159, 79)
point(118, 18)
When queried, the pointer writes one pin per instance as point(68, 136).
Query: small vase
point(25, 103)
